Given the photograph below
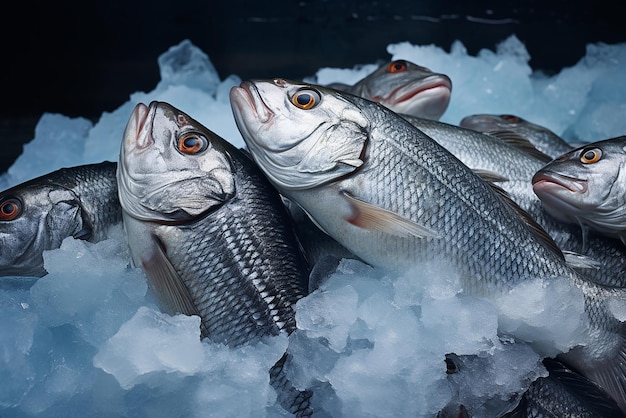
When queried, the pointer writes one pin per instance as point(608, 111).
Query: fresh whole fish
point(395, 197)
point(405, 87)
point(37, 215)
point(210, 232)
point(586, 186)
point(541, 137)
point(512, 162)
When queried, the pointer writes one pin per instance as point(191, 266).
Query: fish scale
point(365, 190)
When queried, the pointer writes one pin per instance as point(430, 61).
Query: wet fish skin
point(541, 137)
point(584, 187)
point(37, 215)
point(394, 197)
point(513, 162)
point(211, 233)
point(404, 87)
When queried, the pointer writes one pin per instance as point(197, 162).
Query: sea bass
point(585, 187)
point(541, 137)
point(405, 87)
point(395, 197)
point(37, 215)
point(513, 162)
point(209, 230)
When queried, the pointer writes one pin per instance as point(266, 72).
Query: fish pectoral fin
point(521, 143)
point(580, 261)
point(368, 216)
point(167, 285)
point(489, 176)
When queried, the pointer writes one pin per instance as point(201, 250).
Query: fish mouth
point(138, 131)
point(247, 97)
point(481, 123)
point(559, 193)
point(436, 84)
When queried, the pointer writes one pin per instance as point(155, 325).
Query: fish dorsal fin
point(368, 216)
point(489, 176)
point(168, 287)
point(581, 261)
point(536, 229)
point(521, 143)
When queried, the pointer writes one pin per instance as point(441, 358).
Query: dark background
point(81, 59)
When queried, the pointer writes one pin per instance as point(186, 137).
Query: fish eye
point(590, 155)
point(397, 66)
point(511, 118)
point(306, 99)
point(10, 208)
point(192, 143)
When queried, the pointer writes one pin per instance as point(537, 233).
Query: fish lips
point(428, 97)
point(559, 192)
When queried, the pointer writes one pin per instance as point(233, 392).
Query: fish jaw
point(428, 97)
point(293, 147)
point(563, 196)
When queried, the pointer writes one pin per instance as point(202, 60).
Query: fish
point(584, 187)
point(512, 162)
point(541, 137)
point(37, 215)
point(564, 393)
point(395, 197)
point(211, 233)
point(404, 87)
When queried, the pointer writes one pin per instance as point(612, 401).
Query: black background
point(81, 59)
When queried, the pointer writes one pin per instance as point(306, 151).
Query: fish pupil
point(304, 99)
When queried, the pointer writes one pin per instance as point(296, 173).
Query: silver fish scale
point(241, 265)
point(466, 231)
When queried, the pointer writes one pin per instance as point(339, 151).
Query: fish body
point(405, 87)
point(211, 233)
point(585, 187)
point(395, 197)
point(37, 215)
point(541, 137)
point(513, 162)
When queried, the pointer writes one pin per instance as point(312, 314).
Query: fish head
point(301, 135)
point(35, 217)
point(484, 122)
point(585, 183)
point(407, 88)
point(171, 168)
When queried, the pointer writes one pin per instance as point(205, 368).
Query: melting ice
point(87, 339)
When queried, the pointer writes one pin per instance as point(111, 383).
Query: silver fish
point(394, 197)
point(584, 186)
point(541, 137)
point(37, 215)
point(404, 87)
point(512, 162)
point(209, 230)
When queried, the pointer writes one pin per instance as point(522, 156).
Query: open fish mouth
point(405, 92)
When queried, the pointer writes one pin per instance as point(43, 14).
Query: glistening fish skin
point(515, 162)
point(405, 87)
point(37, 215)
point(541, 137)
point(394, 197)
point(586, 186)
point(209, 230)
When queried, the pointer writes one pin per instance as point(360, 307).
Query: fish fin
point(167, 285)
point(368, 216)
point(521, 143)
point(536, 229)
point(580, 261)
point(489, 176)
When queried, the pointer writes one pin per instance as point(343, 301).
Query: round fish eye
point(590, 155)
point(10, 208)
point(306, 99)
point(511, 118)
point(192, 143)
point(397, 66)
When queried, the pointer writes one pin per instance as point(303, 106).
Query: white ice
point(88, 340)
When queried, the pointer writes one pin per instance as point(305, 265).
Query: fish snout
point(137, 133)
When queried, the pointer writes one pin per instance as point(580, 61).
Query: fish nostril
point(280, 82)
